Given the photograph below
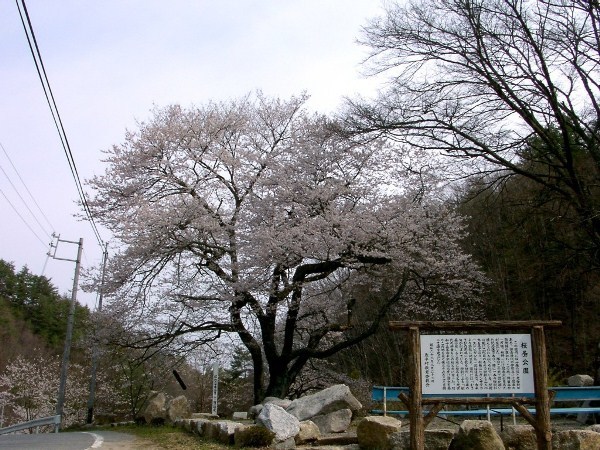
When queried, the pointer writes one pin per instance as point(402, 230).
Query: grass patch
point(171, 438)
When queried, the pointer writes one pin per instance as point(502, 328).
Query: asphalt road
point(67, 441)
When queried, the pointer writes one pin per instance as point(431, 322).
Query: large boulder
point(283, 402)
point(254, 411)
point(434, 439)
point(576, 440)
point(156, 409)
point(178, 408)
point(309, 432)
point(580, 380)
point(288, 444)
point(334, 422)
point(324, 402)
point(276, 419)
point(519, 437)
point(476, 435)
point(374, 432)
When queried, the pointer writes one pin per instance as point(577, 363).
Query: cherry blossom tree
point(258, 218)
point(31, 387)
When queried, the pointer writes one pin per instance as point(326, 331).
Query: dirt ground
point(136, 444)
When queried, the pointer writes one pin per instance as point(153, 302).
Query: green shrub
point(254, 436)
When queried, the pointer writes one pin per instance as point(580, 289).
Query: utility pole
point(70, 320)
point(92, 396)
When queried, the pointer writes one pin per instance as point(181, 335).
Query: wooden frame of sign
point(415, 401)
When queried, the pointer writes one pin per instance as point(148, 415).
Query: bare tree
point(253, 217)
point(503, 87)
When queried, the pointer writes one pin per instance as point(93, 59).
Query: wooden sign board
point(477, 364)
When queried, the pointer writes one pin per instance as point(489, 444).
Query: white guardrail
point(35, 423)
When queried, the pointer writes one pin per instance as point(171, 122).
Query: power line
point(24, 202)
point(22, 218)
point(39, 64)
point(26, 188)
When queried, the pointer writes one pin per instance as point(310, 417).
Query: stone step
point(337, 439)
point(331, 447)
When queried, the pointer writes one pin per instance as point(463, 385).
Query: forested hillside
point(33, 321)
point(33, 315)
point(532, 247)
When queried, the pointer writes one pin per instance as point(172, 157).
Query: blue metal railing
point(561, 394)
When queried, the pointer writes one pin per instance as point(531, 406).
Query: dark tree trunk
point(282, 374)
point(279, 385)
point(259, 376)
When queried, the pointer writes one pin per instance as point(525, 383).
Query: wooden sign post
point(506, 371)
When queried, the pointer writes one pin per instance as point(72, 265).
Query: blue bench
point(383, 394)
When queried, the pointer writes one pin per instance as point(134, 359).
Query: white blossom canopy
point(257, 217)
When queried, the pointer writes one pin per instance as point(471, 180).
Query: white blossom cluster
point(256, 217)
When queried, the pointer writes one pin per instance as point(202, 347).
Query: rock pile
point(305, 419)
point(323, 417)
point(160, 409)
point(288, 423)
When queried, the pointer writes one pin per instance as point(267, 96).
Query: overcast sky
point(110, 61)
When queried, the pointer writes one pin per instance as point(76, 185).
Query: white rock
point(309, 432)
point(254, 411)
point(324, 402)
point(156, 408)
point(477, 434)
point(434, 440)
point(178, 408)
point(522, 437)
point(283, 402)
point(576, 440)
point(375, 431)
point(580, 380)
point(276, 419)
point(335, 422)
point(595, 427)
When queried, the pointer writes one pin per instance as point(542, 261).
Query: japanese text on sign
point(476, 364)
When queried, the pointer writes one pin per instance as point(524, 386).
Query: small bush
point(254, 436)
point(157, 422)
point(140, 420)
